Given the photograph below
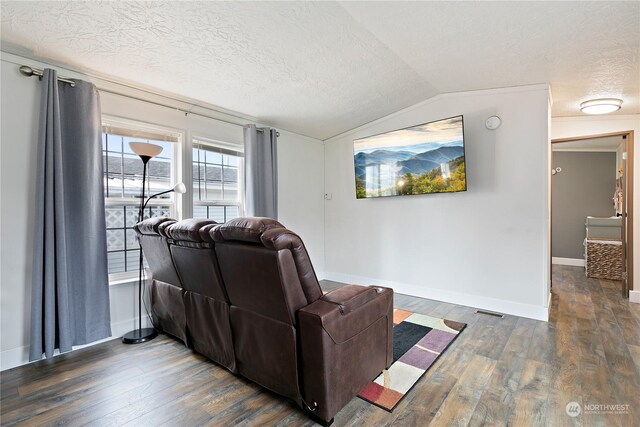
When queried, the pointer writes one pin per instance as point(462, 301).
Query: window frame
point(174, 201)
point(196, 140)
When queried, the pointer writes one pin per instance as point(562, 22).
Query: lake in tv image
point(422, 159)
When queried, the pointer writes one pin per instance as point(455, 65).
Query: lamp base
point(139, 336)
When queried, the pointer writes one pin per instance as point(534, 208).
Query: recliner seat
point(205, 298)
point(165, 287)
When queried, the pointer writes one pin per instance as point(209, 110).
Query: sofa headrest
point(191, 230)
point(153, 226)
point(162, 228)
point(280, 238)
point(248, 229)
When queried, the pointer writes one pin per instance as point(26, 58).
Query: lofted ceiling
point(322, 68)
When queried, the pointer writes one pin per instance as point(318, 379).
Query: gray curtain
point(261, 172)
point(70, 287)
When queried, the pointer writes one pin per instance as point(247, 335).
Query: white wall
point(301, 192)
point(487, 247)
point(301, 189)
point(567, 127)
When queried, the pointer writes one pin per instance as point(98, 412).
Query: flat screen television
point(423, 159)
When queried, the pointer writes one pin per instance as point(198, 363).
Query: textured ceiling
point(323, 68)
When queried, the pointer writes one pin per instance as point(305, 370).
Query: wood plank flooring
point(499, 372)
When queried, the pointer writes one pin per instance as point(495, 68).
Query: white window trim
point(116, 121)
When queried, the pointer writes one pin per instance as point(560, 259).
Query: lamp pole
point(145, 160)
point(146, 152)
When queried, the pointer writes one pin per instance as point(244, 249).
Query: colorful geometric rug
point(418, 341)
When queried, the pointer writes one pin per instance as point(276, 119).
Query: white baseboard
point(634, 296)
point(14, 357)
point(576, 262)
point(486, 303)
point(20, 355)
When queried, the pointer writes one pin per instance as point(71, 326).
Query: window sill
point(124, 281)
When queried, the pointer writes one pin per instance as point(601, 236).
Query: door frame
point(628, 197)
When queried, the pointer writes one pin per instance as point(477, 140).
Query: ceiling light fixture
point(601, 106)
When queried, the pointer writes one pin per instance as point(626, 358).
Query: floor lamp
point(146, 152)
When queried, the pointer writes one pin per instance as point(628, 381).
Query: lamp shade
point(145, 149)
point(601, 106)
point(180, 188)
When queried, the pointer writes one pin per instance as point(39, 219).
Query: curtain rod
point(29, 72)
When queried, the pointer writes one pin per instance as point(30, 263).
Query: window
point(123, 184)
point(217, 169)
point(217, 180)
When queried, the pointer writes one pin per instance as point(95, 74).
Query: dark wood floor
point(510, 371)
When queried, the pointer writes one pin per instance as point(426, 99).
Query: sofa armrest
point(346, 311)
point(346, 340)
point(351, 297)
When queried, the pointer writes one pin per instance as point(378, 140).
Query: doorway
point(592, 205)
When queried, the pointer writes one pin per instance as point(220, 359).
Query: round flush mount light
point(493, 122)
point(601, 106)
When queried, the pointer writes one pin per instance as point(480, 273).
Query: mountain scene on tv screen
point(422, 159)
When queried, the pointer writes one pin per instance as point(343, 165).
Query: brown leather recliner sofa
point(247, 297)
